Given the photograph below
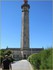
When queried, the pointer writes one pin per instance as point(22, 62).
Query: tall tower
point(25, 25)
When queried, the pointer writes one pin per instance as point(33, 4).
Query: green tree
point(7, 52)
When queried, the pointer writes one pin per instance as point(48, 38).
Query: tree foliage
point(5, 52)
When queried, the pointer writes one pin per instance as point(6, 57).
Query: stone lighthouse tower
point(25, 50)
point(25, 26)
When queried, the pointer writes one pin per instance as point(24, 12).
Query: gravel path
point(0, 69)
point(21, 65)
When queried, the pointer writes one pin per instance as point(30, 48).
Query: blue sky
point(40, 21)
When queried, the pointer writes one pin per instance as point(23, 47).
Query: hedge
point(42, 60)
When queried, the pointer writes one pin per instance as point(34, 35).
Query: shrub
point(1, 58)
point(35, 60)
point(7, 52)
point(42, 60)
